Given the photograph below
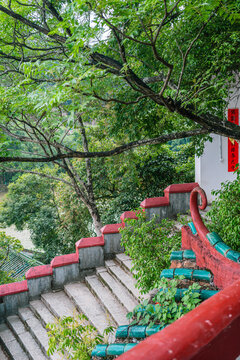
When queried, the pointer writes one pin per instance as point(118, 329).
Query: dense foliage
point(149, 245)
point(7, 243)
point(51, 212)
point(224, 213)
point(74, 337)
point(82, 81)
point(164, 309)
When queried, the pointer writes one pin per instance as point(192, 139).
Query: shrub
point(6, 243)
point(225, 211)
point(164, 310)
point(149, 245)
point(75, 336)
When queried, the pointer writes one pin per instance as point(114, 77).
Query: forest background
point(95, 96)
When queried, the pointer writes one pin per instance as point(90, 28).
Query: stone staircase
point(104, 298)
point(183, 262)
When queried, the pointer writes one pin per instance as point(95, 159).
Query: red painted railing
point(209, 332)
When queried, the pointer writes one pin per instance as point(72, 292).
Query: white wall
point(211, 169)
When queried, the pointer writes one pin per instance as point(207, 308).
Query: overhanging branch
point(118, 150)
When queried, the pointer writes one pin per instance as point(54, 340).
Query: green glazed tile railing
point(189, 274)
point(216, 241)
point(136, 331)
point(192, 227)
point(204, 294)
point(183, 255)
point(112, 349)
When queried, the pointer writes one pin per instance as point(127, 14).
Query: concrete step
point(11, 345)
point(59, 304)
point(86, 303)
point(25, 339)
point(42, 312)
point(125, 279)
point(110, 303)
point(125, 262)
point(3, 355)
point(118, 290)
point(38, 332)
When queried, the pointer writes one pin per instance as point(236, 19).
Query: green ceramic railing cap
point(154, 329)
point(167, 273)
point(189, 255)
point(233, 255)
point(100, 350)
point(201, 275)
point(129, 346)
point(138, 332)
point(187, 273)
point(115, 349)
point(206, 294)
point(213, 238)
point(176, 255)
point(192, 227)
point(122, 332)
point(222, 248)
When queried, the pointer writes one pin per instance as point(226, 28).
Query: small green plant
point(74, 337)
point(164, 309)
point(224, 213)
point(149, 245)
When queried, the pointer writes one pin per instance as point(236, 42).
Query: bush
point(225, 213)
point(74, 335)
point(149, 245)
point(7, 243)
point(165, 310)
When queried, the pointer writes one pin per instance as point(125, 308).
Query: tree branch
point(39, 174)
point(118, 150)
point(31, 24)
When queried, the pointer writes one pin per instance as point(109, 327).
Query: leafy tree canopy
point(147, 69)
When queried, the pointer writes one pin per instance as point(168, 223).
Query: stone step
point(117, 311)
point(11, 345)
point(3, 355)
point(119, 291)
point(86, 303)
point(25, 339)
point(38, 332)
point(59, 304)
point(42, 312)
point(125, 262)
point(125, 279)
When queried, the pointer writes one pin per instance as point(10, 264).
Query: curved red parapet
point(210, 331)
point(194, 208)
